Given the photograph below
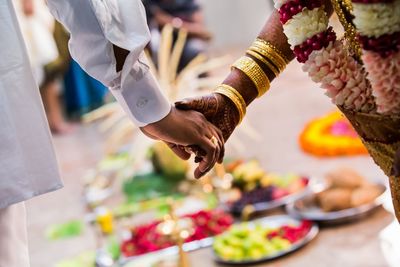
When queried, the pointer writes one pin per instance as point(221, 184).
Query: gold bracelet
point(270, 54)
point(273, 47)
point(270, 51)
point(271, 66)
point(252, 70)
point(236, 98)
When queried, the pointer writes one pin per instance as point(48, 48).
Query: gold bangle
point(273, 47)
point(272, 67)
point(235, 97)
point(270, 54)
point(252, 70)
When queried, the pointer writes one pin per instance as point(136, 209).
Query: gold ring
point(214, 140)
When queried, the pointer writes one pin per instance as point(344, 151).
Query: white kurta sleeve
point(95, 25)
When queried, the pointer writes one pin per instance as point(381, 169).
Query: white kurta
point(27, 162)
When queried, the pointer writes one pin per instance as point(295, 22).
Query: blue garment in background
point(82, 92)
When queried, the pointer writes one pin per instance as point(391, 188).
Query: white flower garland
point(338, 73)
point(304, 25)
point(374, 20)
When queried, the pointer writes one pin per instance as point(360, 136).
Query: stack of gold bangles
point(264, 52)
point(236, 98)
point(271, 55)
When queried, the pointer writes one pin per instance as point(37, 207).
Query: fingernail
point(200, 175)
point(180, 103)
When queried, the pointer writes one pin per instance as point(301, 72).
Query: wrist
point(243, 85)
point(160, 124)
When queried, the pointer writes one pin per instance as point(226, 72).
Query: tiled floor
point(278, 119)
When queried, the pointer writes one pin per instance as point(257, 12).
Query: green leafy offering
point(114, 162)
point(66, 230)
point(148, 186)
point(113, 247)
point(86, 259)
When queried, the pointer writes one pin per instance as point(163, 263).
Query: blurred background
point(123, 192)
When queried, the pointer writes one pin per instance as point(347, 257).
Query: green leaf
point(65, 230)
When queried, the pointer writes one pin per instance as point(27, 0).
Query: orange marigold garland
point(331, 135)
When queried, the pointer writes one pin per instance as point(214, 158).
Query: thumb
point(208, 104)
point(189, 104)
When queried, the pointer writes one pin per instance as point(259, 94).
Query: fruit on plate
point(348, 189)
point(252, 242)
point(335, 199)
point(146, 239)
point(248, 175)
point(345, 178)
point(272, 187)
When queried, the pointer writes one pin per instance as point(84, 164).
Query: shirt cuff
point(139, 93)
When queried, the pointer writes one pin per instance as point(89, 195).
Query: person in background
point(47, 61)
point(82, 93)
point(181, 14)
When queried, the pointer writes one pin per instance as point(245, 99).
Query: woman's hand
point(217, 109)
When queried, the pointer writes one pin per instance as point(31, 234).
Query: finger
point(218, 142)
point(209, 159)
point(221, 143)
point(222, 154)
point(179, 151)
point(198, 152)
point(190, 104)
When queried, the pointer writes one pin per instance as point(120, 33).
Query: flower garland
point(331, 135)
point(305, 23)
point(378, 26)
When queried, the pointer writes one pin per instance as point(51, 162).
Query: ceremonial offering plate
point(313, 184)
point(307, 208)
point(275, 228)
point(164, 253)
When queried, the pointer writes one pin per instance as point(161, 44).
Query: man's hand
point(189, 129)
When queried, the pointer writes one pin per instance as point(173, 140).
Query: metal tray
point(275, 222)
point(306, 208)
point(167, 252)
point(312, 186)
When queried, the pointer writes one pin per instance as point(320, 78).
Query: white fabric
point(13, 237)
point(95, 25)
point(28, 164)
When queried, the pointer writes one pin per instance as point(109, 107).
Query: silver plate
point(306, 208)
point(167, 252)
point(275, 222)
point(313, 183)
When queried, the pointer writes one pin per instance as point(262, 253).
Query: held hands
point(185, 131)
point(217, 109)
